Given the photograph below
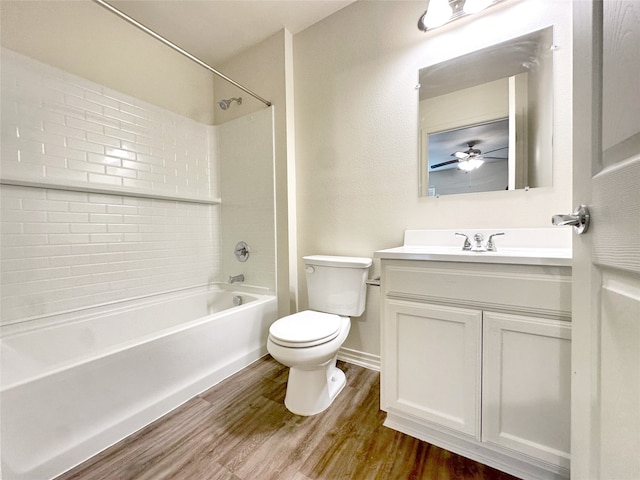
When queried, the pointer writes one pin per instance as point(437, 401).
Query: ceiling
point(216, 30)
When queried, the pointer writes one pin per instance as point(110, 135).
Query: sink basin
point(535, 246)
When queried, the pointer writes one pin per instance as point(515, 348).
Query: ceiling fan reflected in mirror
point(470, 159)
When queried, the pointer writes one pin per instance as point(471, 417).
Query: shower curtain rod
point(147, 30)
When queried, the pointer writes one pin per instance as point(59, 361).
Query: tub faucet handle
point(241, 251)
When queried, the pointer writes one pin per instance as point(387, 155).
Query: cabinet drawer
point(539, 290)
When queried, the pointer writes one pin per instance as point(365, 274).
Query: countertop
point(518, 256)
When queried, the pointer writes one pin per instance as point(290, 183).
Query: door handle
point(579, 219)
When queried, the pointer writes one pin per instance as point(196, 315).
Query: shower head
point(224, 104)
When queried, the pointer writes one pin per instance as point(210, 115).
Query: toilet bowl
point(314, 380)
point(308, 342)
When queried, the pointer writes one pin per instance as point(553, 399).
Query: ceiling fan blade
point(496, 149)
point(494, 158)
point(444, 163)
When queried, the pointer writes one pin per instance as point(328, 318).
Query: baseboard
point(363, 359)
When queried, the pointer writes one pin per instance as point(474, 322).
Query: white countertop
point(543, 246)
point(518, 256)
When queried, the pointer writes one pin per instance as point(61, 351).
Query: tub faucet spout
point(236, 278)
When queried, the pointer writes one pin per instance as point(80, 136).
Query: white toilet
point(307, 342)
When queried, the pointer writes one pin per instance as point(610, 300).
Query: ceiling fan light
point(466, 166)
point(471, 164)
point(477, 162)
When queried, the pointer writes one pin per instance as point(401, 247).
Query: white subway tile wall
point(60, 129)
point(63, 250)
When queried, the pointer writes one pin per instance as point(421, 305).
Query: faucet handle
point(491, 246)
point(467, 243)
point(241, 251)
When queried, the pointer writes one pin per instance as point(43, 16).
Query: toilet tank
point(337, 284)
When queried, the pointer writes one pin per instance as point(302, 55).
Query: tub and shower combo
point(74, 382)
point(89, 379)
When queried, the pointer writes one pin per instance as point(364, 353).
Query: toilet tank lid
point(337, 261)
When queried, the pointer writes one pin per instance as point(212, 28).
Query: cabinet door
point(526, 395)
point(432, 360)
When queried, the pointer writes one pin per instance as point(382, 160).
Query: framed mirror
point(486, 119)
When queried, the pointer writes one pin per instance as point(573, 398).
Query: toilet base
point(311, 391)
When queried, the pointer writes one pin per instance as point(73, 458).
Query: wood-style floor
point(241, 430)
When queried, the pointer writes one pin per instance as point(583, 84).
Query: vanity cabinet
point(476, 358)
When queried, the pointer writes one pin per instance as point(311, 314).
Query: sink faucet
point(236, 278)
point(478, 246)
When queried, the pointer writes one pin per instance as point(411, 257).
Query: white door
point(605, 440)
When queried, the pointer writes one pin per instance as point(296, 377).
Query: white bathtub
point(71, 389)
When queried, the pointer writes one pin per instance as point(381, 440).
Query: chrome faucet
point(236, 278)
point(478, 239)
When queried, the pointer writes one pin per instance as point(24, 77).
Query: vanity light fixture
point(440, 12)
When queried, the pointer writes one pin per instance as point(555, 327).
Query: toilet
point(307, 342)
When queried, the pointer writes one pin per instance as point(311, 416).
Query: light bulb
point(473, 6)
point(438, 13)
point(471, 164)
point(466, 166)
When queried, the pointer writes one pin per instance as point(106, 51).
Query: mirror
point(486, 119)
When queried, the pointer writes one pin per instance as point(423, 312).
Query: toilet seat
point(305, 329)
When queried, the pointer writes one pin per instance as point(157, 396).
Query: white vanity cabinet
point(476, 358)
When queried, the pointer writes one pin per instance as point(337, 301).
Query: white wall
point(85, 39)
point(356, 112)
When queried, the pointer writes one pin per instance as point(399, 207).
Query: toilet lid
point(305, 329)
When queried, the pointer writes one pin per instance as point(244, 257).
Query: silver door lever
point(579, 219)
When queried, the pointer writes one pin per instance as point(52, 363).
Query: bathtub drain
point(237, 300)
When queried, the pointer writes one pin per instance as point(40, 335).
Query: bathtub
point(88, 379)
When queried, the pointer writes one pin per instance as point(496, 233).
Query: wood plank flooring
point(241, 430)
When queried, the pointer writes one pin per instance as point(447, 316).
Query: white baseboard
point(363, 359)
